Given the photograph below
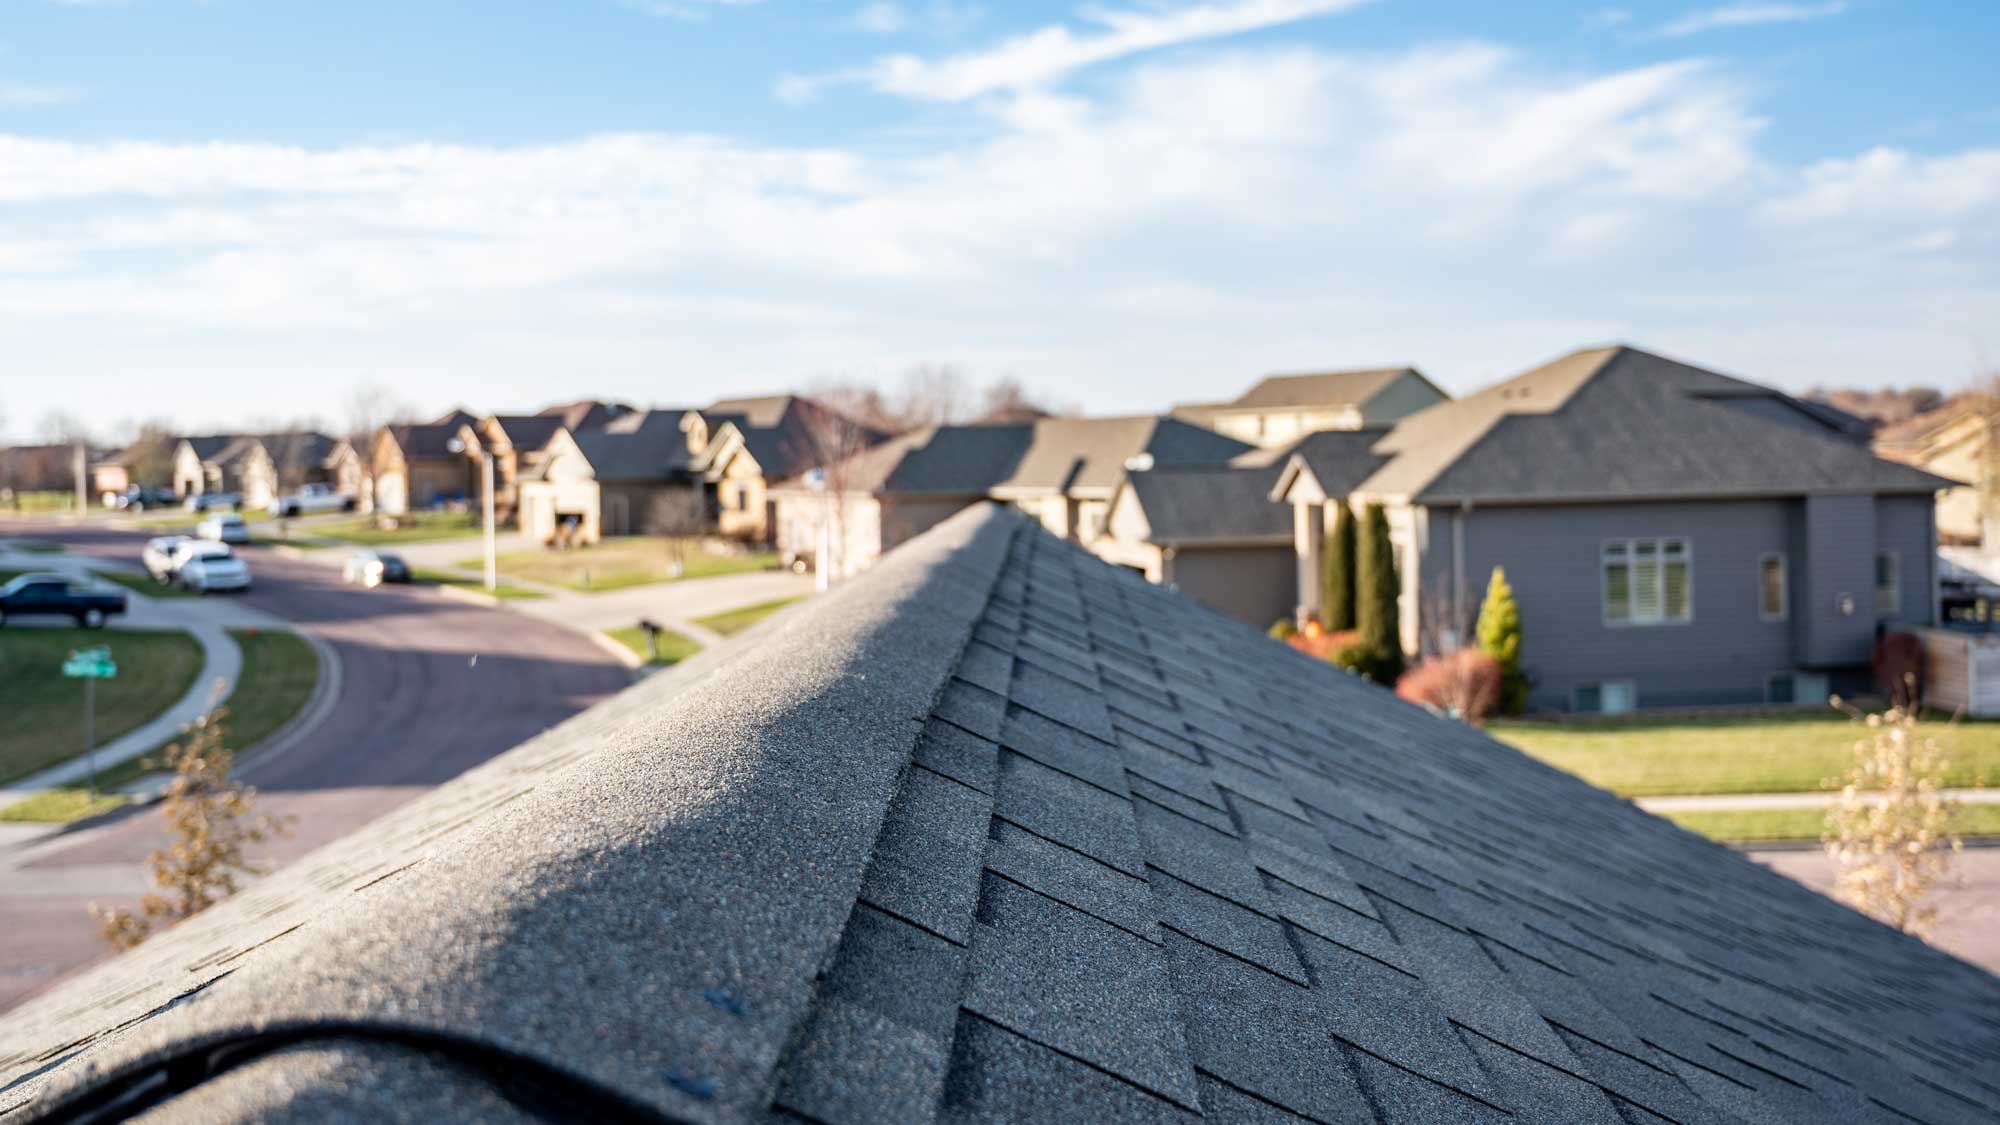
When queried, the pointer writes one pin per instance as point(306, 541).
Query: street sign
point(90, 664)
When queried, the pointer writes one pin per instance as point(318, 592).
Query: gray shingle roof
point(528, 432)
point(647, 454)
point(999, 832)
point(1211, 504)
point(1618, 423)
point(1326, 388)
point(1089, 454)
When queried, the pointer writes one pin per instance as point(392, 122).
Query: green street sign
point(90, 664)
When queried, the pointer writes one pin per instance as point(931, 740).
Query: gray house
point(998, 833)
point(1674, 536)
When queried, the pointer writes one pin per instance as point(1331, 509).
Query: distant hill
point(1884, 407)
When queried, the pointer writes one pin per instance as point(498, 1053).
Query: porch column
point(1308, 537)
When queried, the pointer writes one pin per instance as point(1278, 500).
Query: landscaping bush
point(1465, 684)
point(1315, 641)
point(1377, 593)
point(1500, 638)
point(1282, 629)
point(1372, 662)
point(1336, 597)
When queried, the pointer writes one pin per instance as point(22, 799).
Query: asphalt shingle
point(999, 834)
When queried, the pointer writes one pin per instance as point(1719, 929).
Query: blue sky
point(226, 211)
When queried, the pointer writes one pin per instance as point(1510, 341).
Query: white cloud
point(1198, 221)
point(880, 18)
point(1049, 54)
point(1751, 14)
point(688, 10)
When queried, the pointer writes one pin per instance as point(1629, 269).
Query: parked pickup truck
point(312, 498)
point(58, 595)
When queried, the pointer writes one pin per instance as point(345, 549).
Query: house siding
point(1253, 584)
point(1552, 557)
point(1840, 538)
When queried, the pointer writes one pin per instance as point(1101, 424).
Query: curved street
point(429, 687)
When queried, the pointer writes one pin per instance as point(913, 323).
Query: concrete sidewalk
point(1734, 802)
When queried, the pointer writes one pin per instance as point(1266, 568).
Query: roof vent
point(1138, 462)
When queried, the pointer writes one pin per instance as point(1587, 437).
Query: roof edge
point(600, 876)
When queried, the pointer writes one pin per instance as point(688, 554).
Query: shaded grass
point(144, 584)
point(731, 622)
point(623, 561)
point(1737, 826)
point(429, 577)
point(1764, 754)
point(674, 647)
point(41, 710)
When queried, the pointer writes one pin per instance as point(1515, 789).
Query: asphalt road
point(430, 687)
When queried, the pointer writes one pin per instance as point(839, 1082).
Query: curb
point(626, 656)
point(471, 597)
point(326, 693)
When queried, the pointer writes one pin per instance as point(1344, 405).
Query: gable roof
point(1617, 423)
point(656, 454)
point(206, 446)
point(429, 440)
point(585, 414)
point(528, 432)
point(1325, 388)
point(1088, 455)
point(963, 461)
point(1190, 505)
point(1337, 460)
point(779, 432)
point(997, 832)
point(758, 410)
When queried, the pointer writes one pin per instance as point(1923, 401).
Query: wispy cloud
point(16, 95)
point(688, 10)
point(880, 18)
point(1747, 15)
point(1047, 55)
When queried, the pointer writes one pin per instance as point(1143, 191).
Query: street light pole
point(492, 559)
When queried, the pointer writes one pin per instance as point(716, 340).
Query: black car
point(141, 499)
point(58, 595)
point(372, 568)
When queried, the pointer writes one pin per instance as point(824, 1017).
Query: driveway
point(1968, 909)
point(430, 687)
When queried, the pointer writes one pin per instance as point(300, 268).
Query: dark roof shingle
point(996, 832)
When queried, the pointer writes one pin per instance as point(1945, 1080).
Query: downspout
point(1458, 609)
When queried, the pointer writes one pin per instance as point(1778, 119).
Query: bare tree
point(149, 458)
point(1889, 836)
point(210, 826)
point(60, 427)
point(371, 406)
point(832, 442)
point(679, 516)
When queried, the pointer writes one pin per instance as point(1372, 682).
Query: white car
point(206, 571)
point(225, 528)
point(159, 556)
point(312, 498)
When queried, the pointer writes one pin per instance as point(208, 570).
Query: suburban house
point(1282, 408)
point(1062, 471)
point(256, 467)
point(419, 466)
point(1212, 532)
point(1674, 536)
point(1000, 833)
point(1951, 441)
point(743, 445)
point(635, 476)
point(519, 443)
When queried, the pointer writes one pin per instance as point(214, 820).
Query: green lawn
point(732, 622)
point(674, 647)
point(1763, 825)
point(37, 547)
point(1765, 754)
point(41, 711)
point(478, 585)
point(418, 527)
point(279, 673)
point(44, 501)
point(621, 561)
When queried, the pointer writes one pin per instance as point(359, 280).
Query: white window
point(1772, 592)
point(1648, 581)
point(1888, 582)
point(1606, 697)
